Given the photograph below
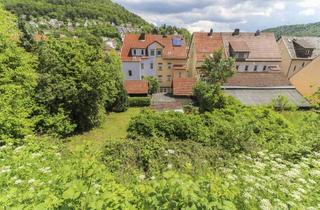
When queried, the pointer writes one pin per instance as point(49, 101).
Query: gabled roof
point(239, 46)
point(262, 47)
point(169, 51)
point(205, 44)
point(258, 79)
point(183, 86)
point(136, 86)
point(307, 42)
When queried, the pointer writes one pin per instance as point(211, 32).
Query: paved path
point(161, 101)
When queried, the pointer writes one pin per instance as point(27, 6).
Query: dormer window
point(239, 50)
point(159, 52)
point(152, 53)
point(303, 48)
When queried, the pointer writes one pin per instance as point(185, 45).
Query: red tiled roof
point(258, 79)
point(136, 86)
point(261, 47)
point(206, 44)
point(169, 51)
point(239, 46)
point(183, 86)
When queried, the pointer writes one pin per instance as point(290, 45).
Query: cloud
point(224, 15)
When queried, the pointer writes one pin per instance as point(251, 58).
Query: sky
point(225, 15)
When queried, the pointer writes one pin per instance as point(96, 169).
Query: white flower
point(303, 181)
point(18, 181)
point(171, 151)
point(315, 173)
point(169, 166)
point(5, 169)
point(33, 155)
point(296, 195)
point(142, 177)
point(31, 181)
point(3, 147)
point(18, 148)
point(152, 178)
point(45, 170)
point(265, 204)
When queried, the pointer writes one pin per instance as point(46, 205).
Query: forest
point(69, 140)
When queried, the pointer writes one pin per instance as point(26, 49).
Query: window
point(142, 65)
point(151, 65)
point(134, 52)
point(255, 68)
point(180, 74)
point(160, 78)
point(160, 66)
point(151, 52)
point(168, 78)
point(264, 68)
point(142, 77)
point(237, 67)
point(130, 73)
point(246, 68)
point(142, 52)
point(169, 65)
point(159, 52)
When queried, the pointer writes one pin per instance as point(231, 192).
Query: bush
point(153, 84)
point(281, 103)
point(139, 101)
point(122, 102)
point(209, 97)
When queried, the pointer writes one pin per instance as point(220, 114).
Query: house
point(258, 78)
point(297, 53)
point(163, 57)
point(307, 80)
point(254, 52)
point(260, 88)
point(136, 87)
point(202, 45)
point(183, 86)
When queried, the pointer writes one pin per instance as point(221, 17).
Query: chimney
point(258, 32)
point(236, 32)
point(142, 37)
point(211, 32)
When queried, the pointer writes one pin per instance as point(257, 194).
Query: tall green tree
point(216, 69)
point(17, 82)
point(77, 80)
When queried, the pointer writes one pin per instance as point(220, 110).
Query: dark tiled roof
point(307, 42)
point(261, 47)
point(258, 79)
point(136, 86)
point(183, 86)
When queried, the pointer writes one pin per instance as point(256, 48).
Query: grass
point(114, 127)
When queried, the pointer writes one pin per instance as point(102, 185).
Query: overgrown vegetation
point(139, 101)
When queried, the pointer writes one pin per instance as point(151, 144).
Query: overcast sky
point(225, 15)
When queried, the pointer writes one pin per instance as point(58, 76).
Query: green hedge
point(139, 101)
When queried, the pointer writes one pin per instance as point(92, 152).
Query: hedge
point(139, 101)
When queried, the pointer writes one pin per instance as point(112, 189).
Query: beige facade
point(290, 66)
point(307, 80)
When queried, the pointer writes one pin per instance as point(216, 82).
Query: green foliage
point(153, 84)
point(122, 102)
point(139, 101)
point(312, 29)
point(104, 10)
point(17, 82)
point(172, 30)
point(235, 129)
point(75, 78)
point(216, 69)
point(281, 103)
point(209, 96)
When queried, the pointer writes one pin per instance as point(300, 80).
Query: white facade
point(137, 70)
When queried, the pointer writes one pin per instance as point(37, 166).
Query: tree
point(17, 82)
point(209, 96)
point(75, 79)
point(216, 69)
point(153, 84)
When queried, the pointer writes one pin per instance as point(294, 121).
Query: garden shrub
point(139, 101)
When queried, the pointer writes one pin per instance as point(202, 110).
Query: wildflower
point(315, 173)
point(303, 181)
point(142, 177)
point(5, 169)
point(3, 147)
point(265, 204)
point(171, 151)
point(152, 178)
point(169, 166)
point(18, 149)
point(296, 195)
point(45, 170)
point(18, 181)
point(33, 155)
point(31, 181)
